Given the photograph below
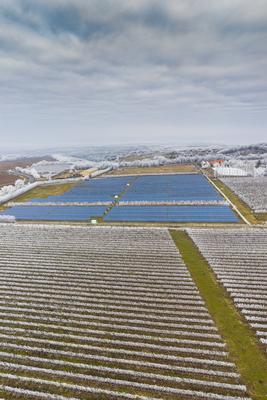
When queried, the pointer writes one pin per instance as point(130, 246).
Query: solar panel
point(94, 190)
point(55, 213)
point(171, 214)
point(181, 187)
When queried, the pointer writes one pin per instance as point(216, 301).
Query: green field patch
point(44, 192)
point(261, 217)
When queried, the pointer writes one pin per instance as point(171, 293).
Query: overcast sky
point(129, 71)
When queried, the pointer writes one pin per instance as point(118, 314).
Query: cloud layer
point(135, 70)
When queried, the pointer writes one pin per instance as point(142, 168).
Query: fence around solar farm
point(239, 259)
point(105, 312)
point(252, 191)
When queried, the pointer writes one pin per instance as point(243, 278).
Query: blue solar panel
point(55, 213)
point(171, 214)
point(182, 187)
point(94, 190)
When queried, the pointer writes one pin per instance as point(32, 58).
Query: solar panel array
point(93, 190)
point(92, 198)
point(171, 214)
point(189, 187)
point(55, 213)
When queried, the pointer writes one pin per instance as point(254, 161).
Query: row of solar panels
point(125, 213)
point(172, 214)
point(92, 191)
point(171, 188)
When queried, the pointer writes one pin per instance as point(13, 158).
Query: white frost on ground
point(252, 191)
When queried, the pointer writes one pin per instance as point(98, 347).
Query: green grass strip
point(244, 348)
point(240, 204)
point(249, 214)
point(43, 192)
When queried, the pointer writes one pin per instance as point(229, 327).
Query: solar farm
point(173, 198)
point(133, 200)
point(146, 312)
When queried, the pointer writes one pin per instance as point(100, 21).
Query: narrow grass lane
point(246, 211)
point(244, 348)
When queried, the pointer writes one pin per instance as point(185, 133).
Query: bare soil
point(9, 179)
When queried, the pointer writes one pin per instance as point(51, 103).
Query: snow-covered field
point(229, 171)
point(105, 313)
point(141, 156)
point(252, 191)
point(45, 168)
point(239, 259)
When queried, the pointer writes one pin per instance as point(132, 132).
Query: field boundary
point(230, 202)
point(109, 175)
point(172, 168)
point(250, 215)
point(243, 346)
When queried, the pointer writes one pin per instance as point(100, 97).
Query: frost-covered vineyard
point(252, 191)
point(239, 259)
point(105, 313)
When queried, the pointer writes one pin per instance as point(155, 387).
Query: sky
point(94, 72)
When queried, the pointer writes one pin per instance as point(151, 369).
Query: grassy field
point(242, 207)
point(262, 217)
point(43, 192)
point(175, 168)
point(245, 350)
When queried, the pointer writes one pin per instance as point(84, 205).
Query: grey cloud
point(122, 58)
